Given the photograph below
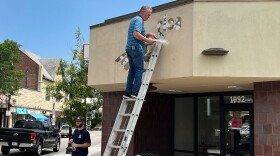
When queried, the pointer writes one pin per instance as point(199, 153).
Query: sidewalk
point(94, 151)
point(95, 148)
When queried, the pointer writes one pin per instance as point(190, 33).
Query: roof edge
point(130, 15)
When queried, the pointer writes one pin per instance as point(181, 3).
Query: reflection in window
point(48, 96)
point(28, 124)
point(208, 125)
point(238, 132)
point(183, 126)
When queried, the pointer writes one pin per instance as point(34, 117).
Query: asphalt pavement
point(94, 149)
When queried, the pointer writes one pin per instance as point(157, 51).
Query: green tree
point(9, 76)
point(74, 86)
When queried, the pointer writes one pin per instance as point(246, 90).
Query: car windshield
point(28, 124)
point(64, 127)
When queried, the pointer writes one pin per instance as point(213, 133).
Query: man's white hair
point(146, 8)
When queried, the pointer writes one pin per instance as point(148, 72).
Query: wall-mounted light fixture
point(215, 51)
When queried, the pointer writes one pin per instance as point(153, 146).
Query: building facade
point(32, 100)
point(217, 80)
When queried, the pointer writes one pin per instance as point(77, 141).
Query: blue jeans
point(136, 67)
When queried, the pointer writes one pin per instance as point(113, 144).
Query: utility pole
point(53, 116)
point(8, 112)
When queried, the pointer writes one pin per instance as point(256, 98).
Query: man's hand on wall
point(151, 35)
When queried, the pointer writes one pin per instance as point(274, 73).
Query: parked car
point(245, 140)
point(30, 135)
point(64, 131)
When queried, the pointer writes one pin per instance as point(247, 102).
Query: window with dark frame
point(48, 96)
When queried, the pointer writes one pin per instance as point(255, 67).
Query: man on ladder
point(135, 50)
point(132, 102)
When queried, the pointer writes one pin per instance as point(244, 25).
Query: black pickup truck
point(29, 135)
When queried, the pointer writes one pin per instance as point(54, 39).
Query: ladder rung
point(119, 130)
point(130, 99)
point(113, 146)
point(122, 114)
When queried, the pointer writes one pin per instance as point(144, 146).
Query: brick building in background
point(32, 101)
point(208, 101)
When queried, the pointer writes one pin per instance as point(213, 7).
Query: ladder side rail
point(143, 89)
point(126, 139)
point(146, 80)
point(139, 102)
point(152, 59)
point(153, 53)
point(117, 123)
point(138, 105)
point(150, 69)
point(149, 64)
point(129, 133)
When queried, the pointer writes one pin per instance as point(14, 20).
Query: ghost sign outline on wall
point(162, 26)
point(169, 24)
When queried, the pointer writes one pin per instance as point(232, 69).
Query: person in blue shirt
point(80, 139)
point(135, 50)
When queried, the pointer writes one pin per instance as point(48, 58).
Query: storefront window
point(184, 126)
point(213, 125)
point(208, 117)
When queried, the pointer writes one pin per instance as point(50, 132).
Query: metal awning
point(40, 117)
point(21, 110)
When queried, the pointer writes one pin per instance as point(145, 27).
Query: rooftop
point(155, 9)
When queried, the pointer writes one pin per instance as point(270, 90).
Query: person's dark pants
point(78, 154)
point(136, 67)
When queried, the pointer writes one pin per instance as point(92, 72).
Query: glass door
point(214, 125)
point(238, 130)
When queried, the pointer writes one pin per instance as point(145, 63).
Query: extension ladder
point(129, 111)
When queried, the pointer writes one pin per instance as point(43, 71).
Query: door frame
point(236, 107)
point(223, 108)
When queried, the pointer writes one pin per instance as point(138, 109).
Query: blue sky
point(47, 27)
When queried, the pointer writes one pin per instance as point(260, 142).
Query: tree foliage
point(74, 86)
point(9, 76)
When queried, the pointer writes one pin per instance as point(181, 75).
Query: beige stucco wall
point(108, 42)
point(249, 30)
